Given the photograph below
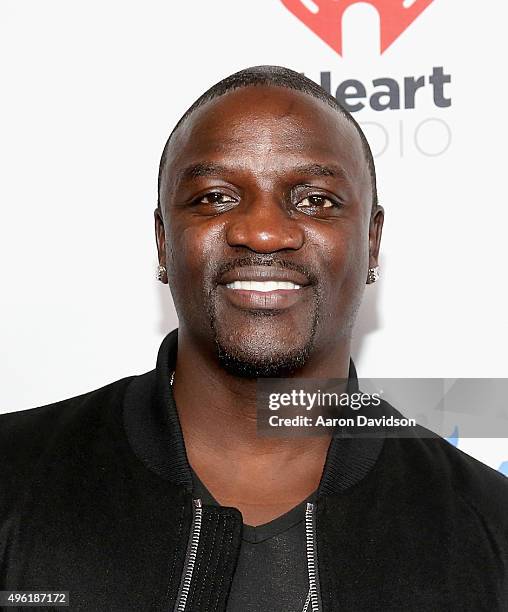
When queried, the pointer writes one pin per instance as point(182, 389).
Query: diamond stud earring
point(161, 270)
point(373, 275)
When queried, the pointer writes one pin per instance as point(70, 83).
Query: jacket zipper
point(312, 604)
point(192, 551)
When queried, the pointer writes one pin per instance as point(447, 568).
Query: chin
point(265, 364)
point(255, 353)
point(264, 343)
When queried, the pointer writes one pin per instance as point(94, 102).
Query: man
point(156, 493)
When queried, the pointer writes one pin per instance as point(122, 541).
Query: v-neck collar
point(254, 534)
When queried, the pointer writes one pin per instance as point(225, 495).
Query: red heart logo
point(324, 17)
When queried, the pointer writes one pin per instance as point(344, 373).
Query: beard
point(259, 355)
point(261, 343)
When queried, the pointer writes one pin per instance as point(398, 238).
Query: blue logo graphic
point(454, 436)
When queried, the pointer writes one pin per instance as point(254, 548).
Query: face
point(266, 229)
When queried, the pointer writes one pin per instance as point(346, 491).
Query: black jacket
point(96, 499)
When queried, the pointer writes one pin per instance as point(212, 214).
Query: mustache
point(261, 259)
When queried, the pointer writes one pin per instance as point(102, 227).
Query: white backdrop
point(89, 92)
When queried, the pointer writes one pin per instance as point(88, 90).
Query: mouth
point(263, 287)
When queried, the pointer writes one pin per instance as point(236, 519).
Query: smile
point(262, 286)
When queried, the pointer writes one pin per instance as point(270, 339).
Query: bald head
point(271, 76)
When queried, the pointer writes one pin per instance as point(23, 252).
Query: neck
point(217, 410)
point(263, 477)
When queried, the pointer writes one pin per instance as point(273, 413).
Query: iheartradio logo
point(324, 17)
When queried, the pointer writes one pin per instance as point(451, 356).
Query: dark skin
point(262, 175)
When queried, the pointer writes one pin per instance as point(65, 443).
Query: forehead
point(263, 127)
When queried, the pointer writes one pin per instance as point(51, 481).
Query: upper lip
point(263, 273)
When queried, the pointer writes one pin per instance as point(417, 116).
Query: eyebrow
point(321, 170)
point(204, 169)
point(201, 169)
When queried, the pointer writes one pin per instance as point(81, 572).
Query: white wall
point(89, 92)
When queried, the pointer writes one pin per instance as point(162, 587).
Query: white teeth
point(264, 286)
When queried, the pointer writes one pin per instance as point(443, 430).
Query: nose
point(264, 225)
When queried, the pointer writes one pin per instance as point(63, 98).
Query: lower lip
point(279, 299)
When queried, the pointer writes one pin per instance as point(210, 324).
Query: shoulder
point(35, 423)
point(430, 463)
point(42, 435)
point(482, 488)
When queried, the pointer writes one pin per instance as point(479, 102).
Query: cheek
point(345, 255)
point(192, 248)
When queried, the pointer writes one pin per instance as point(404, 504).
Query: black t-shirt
point(272, 569)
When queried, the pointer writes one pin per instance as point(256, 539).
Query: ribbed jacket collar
point(153, 429)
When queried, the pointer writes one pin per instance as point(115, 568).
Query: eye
point(316, 201)
point(215, 198)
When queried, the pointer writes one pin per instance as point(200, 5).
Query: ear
point(160, 238)
point(375, 230)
